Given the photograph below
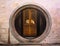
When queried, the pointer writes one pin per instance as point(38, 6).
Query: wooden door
point(29, 22)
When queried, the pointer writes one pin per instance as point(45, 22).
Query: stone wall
point(7, 7)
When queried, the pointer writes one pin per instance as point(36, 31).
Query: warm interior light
point(30, 22)
point(29, 28)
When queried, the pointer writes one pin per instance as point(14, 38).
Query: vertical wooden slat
point(29, 29)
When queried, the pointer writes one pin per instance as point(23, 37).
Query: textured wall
point(7, 7)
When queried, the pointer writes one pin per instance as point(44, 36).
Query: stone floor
point(30, 45)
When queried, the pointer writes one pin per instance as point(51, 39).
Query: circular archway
point(30, 23)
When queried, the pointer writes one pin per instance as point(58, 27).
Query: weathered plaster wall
point(7, 7)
